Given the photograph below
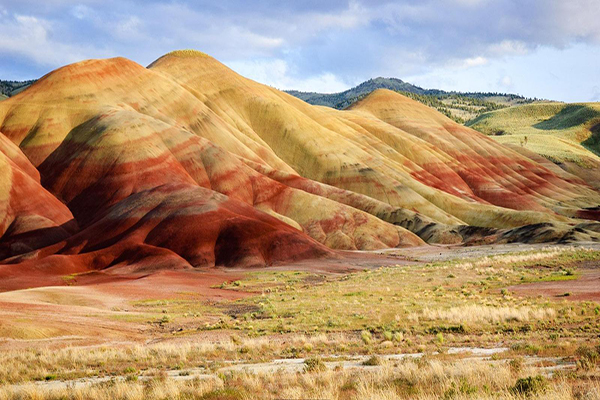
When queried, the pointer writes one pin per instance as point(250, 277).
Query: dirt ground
point(93, 310)
point(585, 287)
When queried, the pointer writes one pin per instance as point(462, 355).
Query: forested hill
point(460, 106)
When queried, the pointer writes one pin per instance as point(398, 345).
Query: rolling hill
point(110, 167)
point(460, 106)
point(11, 88)
point(567, 135)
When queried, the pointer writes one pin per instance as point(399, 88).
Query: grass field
point(562, 133)
point(196, 348)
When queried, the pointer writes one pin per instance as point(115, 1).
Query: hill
point(119, 170)
point(568, 135)
point(460, 106)
point(11, 88)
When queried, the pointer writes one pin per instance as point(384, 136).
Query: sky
point(537, 48)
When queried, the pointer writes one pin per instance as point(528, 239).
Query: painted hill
point(109, 166)
point(460, 106)
point(567, 135)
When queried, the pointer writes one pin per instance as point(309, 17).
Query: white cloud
point(328, 44)
point(474, 62)
point(468, 62)
point(509, 48)
point(31, 37)
point(276, 73)
point(578, 18)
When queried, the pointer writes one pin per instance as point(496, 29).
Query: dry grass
point(76, 362)
point(187, 53)
point(510, 260)
point(117, 390)
point(478, 313)
point(421, 379)
point(402, 309)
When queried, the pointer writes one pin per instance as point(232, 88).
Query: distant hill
point(11, 88)
point(460, 106)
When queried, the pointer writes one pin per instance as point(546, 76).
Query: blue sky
point(538, 48)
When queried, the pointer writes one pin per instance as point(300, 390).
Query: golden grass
point(117, 390)
point(548, 253)
point(74, 362)
point(417, 379)
point(391, 310)
point(479, 313)
point(186, 53)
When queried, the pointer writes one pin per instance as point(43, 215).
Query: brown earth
point(585, 287)
point(93, 308)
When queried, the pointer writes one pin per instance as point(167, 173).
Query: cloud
point(509, 48)
point(278, 74)
point(310, 42)
point(470, 62)
point(31, 37)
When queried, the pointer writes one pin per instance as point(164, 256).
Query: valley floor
point(502, 321)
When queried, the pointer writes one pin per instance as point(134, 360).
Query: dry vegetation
point(426, 308)
point(420, 379)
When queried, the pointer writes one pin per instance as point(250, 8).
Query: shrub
point(314, 364)
point(440, 338)
point(529, 385)
point(464, 387)
point(398, 336)
point(373, 360)
point(516, 364)
point(587, 358)
point(366, 337)
point(129, 370)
